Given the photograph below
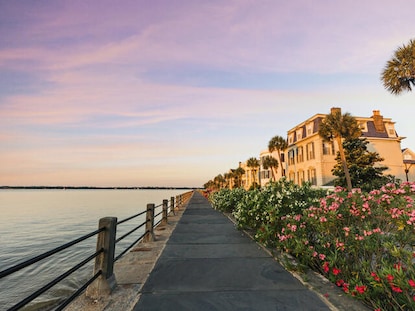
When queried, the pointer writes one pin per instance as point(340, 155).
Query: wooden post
point(165, 210)
point(172, 205)
point(149, 237)
point(106, 282)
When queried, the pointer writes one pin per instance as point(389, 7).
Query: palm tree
point(219, 180)
point(270, 162)
point(228, 177)
point(237, 175)
point(337, 126)
point(278, 143)
point(253, 164)
point(399, 72)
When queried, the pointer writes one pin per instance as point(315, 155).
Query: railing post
point(172, 204)
point(104, 262)
point(178, 201)
point(165, 208)
point(149, 237)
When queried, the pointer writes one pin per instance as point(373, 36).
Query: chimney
point(335, 110)
point(378, 121)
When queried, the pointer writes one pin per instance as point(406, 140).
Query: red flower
point(396, 289)
point(340, 282)
point(361, 289)
point(346, 287)
point(412, 283)
point(326, 267)
point(375, 276)
point(389, 277)
point(336, 271)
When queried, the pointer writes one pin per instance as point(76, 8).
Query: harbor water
point(35, 221)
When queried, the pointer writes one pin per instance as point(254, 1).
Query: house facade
point(309, 158)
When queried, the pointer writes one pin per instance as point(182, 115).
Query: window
point(328, 147)
point(300, 155)
point(291, 155)
point(299, 134)
point(291, 176)
point(391, 131)
point(300, 177)
point(311, 176)
point(309, 129)
point(310, 151)
point(362, 126)
point(265, 174)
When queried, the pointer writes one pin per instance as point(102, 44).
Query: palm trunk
point(282, 168)
point(273, 174)
point(344, 162)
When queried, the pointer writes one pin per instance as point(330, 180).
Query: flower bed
point(362, 242)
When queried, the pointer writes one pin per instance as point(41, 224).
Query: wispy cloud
point(121, 92)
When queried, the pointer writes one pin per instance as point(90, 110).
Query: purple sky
point(135, 93)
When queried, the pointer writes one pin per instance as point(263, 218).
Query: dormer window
point(363, 126)
point(299, 134)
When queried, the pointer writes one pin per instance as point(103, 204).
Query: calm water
point(35, 221)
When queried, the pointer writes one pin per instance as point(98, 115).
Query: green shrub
point(362, 242)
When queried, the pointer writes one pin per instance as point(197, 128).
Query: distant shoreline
point(97, 188)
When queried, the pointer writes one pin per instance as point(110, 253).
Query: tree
point(361, 164)
point(228, 177)
point(337, 126)
point(253, 164)
point(399, 72)
point(237, 175)
point(270, 162)
point(278, 143)
point(219, 180)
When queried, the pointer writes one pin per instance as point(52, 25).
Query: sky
point(173, 93)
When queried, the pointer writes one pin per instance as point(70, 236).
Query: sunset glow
point(172, 93)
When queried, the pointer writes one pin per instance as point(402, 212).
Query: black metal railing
point(105, 251)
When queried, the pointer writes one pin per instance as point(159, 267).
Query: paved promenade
point(207, 264)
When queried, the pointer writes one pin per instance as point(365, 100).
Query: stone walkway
point(207, 264)
point(200, 261)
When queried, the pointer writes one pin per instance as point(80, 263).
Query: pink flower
point(322, 256)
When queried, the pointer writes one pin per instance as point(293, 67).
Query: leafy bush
point(362, 242)
point(225, 200)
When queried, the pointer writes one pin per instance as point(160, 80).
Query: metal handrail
point(54, 282)
point(129, 232)
point(131, 217)
point(33, 260)
point(98, 273)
